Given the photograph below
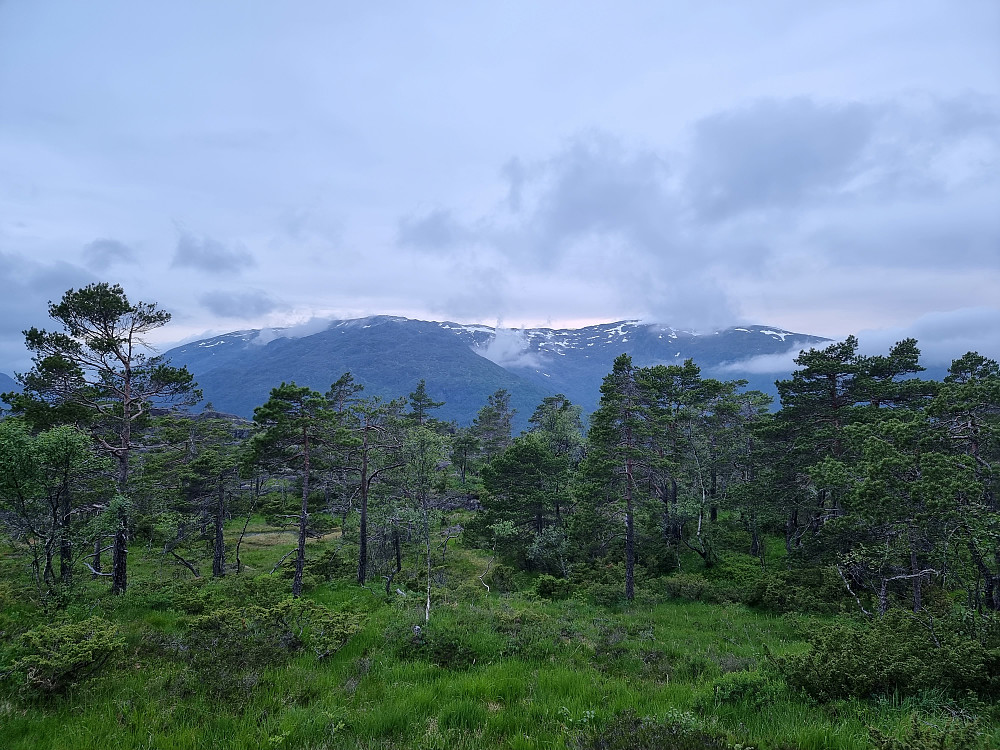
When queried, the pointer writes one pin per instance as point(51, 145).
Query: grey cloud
point(597, 214)
point(598, 187)
point(28, 288)
point(239, 304)
point(803, 154)
point(437, 230)
point(103, 253)
point(942, 336)
point(775, 152)
point(509, 347)
point(207, 254)
point(484, 293)
point(764, 364)
point(298, 331)
point(769, 195)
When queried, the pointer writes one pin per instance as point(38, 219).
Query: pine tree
point(295, 424)
point(615, 454)
point(421, 404)
point(94, 371)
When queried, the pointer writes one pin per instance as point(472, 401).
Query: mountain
point(388, 355)
point(7, 384)
point(575, 361)
point(463, 364)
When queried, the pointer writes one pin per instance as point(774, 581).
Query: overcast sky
point(825, 167)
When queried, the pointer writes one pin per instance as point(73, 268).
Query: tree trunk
point(219, 545)
point(755, 545)
point(300, 557)
point(790, 526)
point(397, 548)
point(65, 545)
point(119, 553)
point(713, 514)
point(629, 535)
point(97, 567)
point(363, 531)
point(119, 558)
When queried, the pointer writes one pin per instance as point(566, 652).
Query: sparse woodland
point(687, 567)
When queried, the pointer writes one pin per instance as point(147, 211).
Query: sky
point(823, 167)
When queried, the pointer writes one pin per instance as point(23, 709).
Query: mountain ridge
point(463, 363)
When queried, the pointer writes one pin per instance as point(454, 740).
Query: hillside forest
point(689, 566)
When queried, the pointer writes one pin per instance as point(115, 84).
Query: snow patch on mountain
point(776, 334)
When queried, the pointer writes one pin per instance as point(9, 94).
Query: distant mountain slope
point(575, 361)
point(7, 384)
point(463, 364)
point(388, 355)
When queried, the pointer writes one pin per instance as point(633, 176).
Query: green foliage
point(54, 658)
point(228, 649)
point(550, 587)
point(900, 653)
point(754, 688)
point(679, 731)
point(802, 588)
point(693, 586)
point(923, 735)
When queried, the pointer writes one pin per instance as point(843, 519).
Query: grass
point(510, 671)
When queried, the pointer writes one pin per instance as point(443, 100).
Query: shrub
point(899, 653)
point(56, 657)
point(550, 587)
point(919, 735)
point(502, 579)
point(687, 586)
point(680, 731)
point(748, 687)
point(227, 649)
point(805, 589)
point(328, 566)
point(452, 640)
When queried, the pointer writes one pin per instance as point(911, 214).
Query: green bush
point(691, 586)
point(452, 640)
point(805, 589)
point(952, 735)
point(748, 687)
point(502, 579)
point(680, 731)
point(900, 653)
point(53, 658)
point(228, 649)
point(328, 566)
point(550, 587)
